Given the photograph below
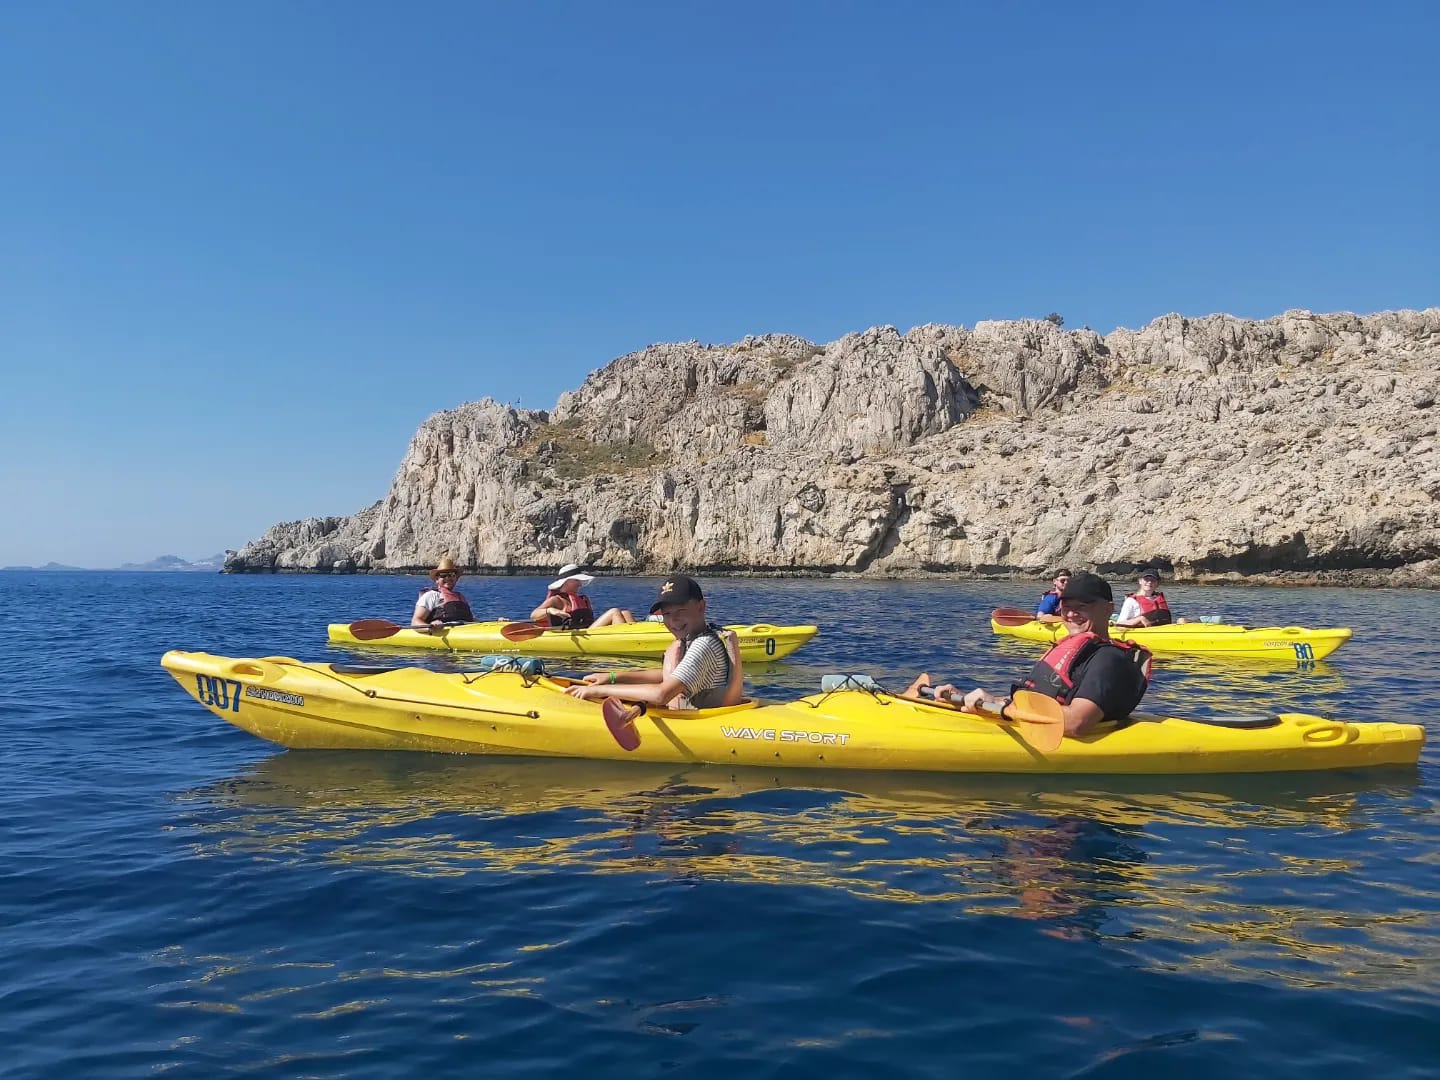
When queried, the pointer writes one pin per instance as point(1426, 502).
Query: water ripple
point(180, 897)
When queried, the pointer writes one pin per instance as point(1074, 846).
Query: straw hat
point(570, 572)
point(446, 564)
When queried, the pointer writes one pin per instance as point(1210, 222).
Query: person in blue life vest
point(1092, 677)
point(701, 669)
point(1048, 610)
point(566, 607)
point(441, 603)
point(1147, 605)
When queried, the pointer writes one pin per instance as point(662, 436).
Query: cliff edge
point(1301, 447)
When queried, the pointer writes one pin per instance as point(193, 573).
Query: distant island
point(210, 564)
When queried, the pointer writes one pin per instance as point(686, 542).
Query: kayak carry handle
point(252, 671)
point(1317, 729)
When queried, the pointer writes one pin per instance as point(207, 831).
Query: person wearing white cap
point(567, 608)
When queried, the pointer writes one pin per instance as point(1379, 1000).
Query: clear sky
point(246, 248)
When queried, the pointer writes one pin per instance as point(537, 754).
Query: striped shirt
point(704, 668)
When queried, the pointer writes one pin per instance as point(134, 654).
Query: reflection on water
point(1222, 873)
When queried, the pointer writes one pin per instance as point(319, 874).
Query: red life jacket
point(1057, 673)
point(1153, 607)
point(578, 613)
point(454, 608)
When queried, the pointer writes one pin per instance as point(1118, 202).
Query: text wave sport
point(327, 707)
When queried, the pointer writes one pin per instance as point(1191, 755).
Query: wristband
point(1002, 709)
point(612, 678)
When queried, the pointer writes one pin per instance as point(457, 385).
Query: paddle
point(522, 631)
point(376, 629)
point(1039, 720)
point(620, 720)
point(1006, 616)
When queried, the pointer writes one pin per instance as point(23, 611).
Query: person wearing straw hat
point(441, 603)
point(566, 607)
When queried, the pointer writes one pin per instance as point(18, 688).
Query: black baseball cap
point(677, 590)
point(1149, 572)
point(1087, 588)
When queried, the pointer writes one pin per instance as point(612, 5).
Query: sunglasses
point(447, 573)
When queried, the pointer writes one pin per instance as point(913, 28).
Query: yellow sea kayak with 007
point(759, 641)
point(1193, 639)
point(332, 706)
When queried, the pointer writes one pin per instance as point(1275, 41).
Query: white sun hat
point(570, 572)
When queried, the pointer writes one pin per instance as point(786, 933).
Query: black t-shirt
point(1111, 679)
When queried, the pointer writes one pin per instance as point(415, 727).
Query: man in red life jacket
point(1146, 606)
point(1092, 677)
point(441, 603)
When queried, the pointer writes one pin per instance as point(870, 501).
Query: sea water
point(180, 898)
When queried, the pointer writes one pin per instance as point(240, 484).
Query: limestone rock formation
point(1302, 447)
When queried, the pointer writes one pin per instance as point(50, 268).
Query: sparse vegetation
point(567, 452)
point(785, 363)
point(1055, 319)
point(751, 393)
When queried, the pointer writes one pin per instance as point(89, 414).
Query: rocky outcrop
point(1302, 447)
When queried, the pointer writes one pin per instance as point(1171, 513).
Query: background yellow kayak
point(1199, 639)
point(759, 641)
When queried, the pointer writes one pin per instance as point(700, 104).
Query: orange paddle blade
point(1009, 616)
point(620, 720)
point(521, 631)
point(1040, 719)
point(374, 629)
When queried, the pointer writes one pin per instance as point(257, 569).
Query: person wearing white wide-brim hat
point(566, 606)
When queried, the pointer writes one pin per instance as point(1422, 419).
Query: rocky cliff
point(1303, 445)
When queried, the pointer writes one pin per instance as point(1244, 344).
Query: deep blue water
point(181, 898)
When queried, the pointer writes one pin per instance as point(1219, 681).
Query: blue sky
point(246, 249)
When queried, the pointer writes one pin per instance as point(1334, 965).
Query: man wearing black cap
point(1092, 677)
point(1146, 606)
point(700, 671)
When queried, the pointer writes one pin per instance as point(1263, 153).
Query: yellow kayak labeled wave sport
point(526, 712)
point(760, 641)
point(1294, 643)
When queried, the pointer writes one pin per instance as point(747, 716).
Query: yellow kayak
point(760, 641)
point(332, 706)
point(1195, 639)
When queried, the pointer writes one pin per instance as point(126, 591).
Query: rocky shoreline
point(1296, 450)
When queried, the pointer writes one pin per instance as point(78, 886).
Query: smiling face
point(685, 619)
point(1083, 616)
point(1059, 581)
point(447, 578)
point(1148, 585)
